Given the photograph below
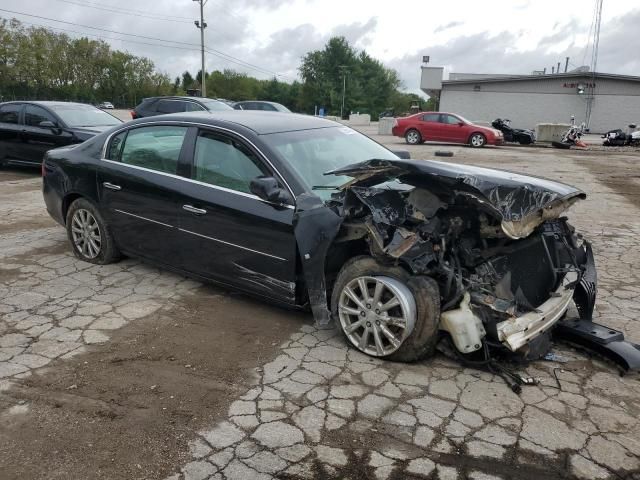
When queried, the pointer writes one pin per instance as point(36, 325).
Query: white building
point(614, 100)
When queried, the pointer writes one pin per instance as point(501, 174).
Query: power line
point(127, 12)
point(215, 52)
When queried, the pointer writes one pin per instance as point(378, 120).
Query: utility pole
point(201, 24)
point(344, 69)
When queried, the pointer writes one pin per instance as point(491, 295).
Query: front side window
point(223, 162)
point(194, 107)
point(449, 119)
point(34, 116)
point(156, 148)
point(10, 113)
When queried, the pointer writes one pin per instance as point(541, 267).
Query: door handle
point(111, 186)
point(192, 209)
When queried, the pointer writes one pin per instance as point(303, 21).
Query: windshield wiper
point(326, 187)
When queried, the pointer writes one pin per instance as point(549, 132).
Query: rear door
point(429, 127)
point(232, 235)
point(171, 106)
point(10, 131)
point(138, 184)
point(38, 139)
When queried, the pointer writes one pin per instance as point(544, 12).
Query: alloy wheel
point(477, 140)
point(377, 314)
point(413, 137)
point(86, 233)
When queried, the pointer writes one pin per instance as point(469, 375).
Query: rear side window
point(430, 117)
point(10, 113)
point(34, 115)
point(226, 163)
point(156, 148)
point(171, 106)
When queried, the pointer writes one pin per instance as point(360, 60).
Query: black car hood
point(85, 133)
point(521, 202)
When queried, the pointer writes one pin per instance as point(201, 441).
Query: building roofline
point(515, 78)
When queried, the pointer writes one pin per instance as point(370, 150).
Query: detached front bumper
point(516, 332)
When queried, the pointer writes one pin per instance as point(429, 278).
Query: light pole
point(344, 69)
point(201, 24)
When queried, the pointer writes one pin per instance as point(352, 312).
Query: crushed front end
point(507, 264)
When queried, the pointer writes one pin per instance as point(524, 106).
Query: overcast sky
point(515, 36)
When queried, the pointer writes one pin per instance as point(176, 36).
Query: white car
point(106, 106)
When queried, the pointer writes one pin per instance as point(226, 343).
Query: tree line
point(38, 63)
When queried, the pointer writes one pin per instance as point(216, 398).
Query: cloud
point(448, 26)
point(497, 53)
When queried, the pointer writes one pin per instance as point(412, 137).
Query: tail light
point(134, 115)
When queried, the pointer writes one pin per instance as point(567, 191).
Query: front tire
point(385, 312)
point(413, 137)
point(89, 234)
point(477, 140)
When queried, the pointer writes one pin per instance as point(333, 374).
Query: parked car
point(106, 106)
point(163, 105)
point(29, 129)
point(291, 208)
point(445, 127)
point(261, 105)
point(523, 136)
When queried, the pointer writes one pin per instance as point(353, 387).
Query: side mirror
point(461, 124)
point(267, 188)
point(50, 125)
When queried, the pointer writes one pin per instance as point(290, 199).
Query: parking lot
point(127, 371)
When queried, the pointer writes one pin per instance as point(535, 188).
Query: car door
point(137, 188)
point(452, 130)
point(10, 131)
point(38, 139)
point(429, 127)
point(171, 106)
point(232, 235)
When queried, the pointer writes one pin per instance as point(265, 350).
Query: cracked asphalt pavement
point(128, 371)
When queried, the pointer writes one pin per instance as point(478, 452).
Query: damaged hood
point(521, 202)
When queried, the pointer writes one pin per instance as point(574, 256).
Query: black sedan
point(29, 129)
point(306, 212)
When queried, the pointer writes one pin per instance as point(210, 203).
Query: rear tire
point(89, 234)
point(413, 137)
point(424, 297)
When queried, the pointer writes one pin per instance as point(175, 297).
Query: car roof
point(259, 101)
point(48, 103)
point(182, 97)
point(262, 123)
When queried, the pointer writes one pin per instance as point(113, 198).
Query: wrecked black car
point(311, 214)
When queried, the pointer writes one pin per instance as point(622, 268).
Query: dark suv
point(161, 105)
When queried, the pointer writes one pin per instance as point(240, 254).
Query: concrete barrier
point(359, 119)
point(549, 132)
point(385, 124)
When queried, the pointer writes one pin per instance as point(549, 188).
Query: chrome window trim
point(233, 244)
point(197, 124)
point(190, 180)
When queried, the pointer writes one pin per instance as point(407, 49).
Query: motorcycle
point(570, 138)
point(520, 135)
point(618, 138)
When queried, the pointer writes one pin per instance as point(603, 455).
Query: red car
point(445, 127)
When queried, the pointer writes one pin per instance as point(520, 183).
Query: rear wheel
point(413, 137)
point(477, 140)
point(89, 235)
point(383, 311)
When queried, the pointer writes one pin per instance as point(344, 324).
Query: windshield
point(311, 153)
point(84, 116)
point(464, 119)
point(215, 105)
